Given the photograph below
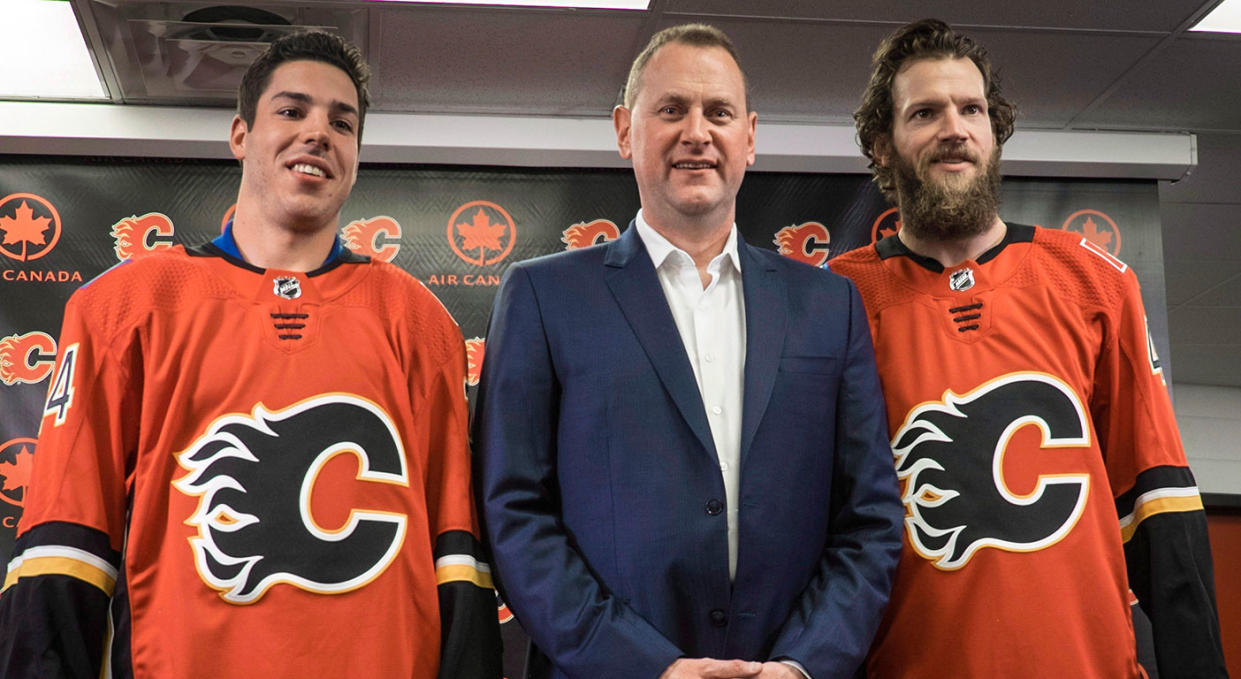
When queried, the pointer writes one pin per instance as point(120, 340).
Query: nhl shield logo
point(961, 280)
point(288, 287)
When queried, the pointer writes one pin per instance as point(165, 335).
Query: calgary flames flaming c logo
point(805, 242)
point(586, 234)
point(378, 237)
point(137, 237)
point(27, 358)
point(255, 476)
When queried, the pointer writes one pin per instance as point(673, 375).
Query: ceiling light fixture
point(44, 54)
point(1225, 18)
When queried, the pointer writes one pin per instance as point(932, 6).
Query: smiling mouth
point(307, 168)
point(694, 165)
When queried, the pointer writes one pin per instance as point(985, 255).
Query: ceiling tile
point(480, 61)
point(1189, 86)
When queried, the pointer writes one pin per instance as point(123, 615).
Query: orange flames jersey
point(282, 460)
point(1037, 450)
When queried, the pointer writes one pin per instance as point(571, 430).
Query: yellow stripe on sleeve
point(1158, 505)
point(56, 560)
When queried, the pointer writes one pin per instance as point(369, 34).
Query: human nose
point(694, 131)
point(953, 126)
point(316, 128)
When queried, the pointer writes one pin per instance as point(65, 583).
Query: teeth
point(306, 168)
point(693, 166)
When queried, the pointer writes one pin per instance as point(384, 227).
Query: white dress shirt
point(711, 321)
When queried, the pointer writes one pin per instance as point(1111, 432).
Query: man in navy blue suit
point(683, 452)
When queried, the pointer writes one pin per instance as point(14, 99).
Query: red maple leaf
point(1092, 233)
point(24, 226)
point(481, 234)
point(17, 473)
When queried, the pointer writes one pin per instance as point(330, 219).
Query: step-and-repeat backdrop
point(64, 221)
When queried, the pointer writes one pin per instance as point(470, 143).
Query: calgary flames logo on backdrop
point(27, 359)
point(806, 242)
point(586, 234)
point(136, 237)
point(474, 348)
point(255, 475)
point(377, 237)
point(886, 224)
point(16, 458)
point(956, 505)
point(1097, 228)
point(478, 229)
point(30, 224)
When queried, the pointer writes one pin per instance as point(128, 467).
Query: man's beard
point(934, 210)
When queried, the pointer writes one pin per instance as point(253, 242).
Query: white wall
point(1210, 422)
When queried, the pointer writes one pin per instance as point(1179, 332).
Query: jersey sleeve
point(470, 628)
point(53, 608)
point(1162, 521)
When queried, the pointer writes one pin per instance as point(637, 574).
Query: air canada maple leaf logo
point(16, 462)
point(27, 359)
point(30, 226)
point(474, 348)
point(481, 232)
point(886, 224)
point(805, 242)
point(377, 237)
point(137, 237)
point(586, 234)
point(1096, 227)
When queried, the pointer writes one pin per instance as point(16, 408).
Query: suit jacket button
point(714, 507)
point(719, 618)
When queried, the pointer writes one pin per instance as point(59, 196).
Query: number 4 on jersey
point(60, 398)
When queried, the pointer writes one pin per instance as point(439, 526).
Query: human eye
point(975, 109)
point(291, 112)
point(343, 125)
point(722, 114)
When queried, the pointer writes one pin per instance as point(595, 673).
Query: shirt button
point(714, 507)
point(717, 410)
point(718, 617)
point(709, 357)
point(723, 466)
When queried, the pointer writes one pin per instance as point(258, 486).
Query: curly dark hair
point(694, 35)
point(925, 39)
point(304, 46)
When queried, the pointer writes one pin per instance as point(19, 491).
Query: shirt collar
point(226, 242)
point(659, 248)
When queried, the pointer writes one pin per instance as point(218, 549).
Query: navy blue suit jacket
point(602, 493)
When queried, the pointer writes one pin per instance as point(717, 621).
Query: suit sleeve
point(566, 610)
point(65, 563)
point(470, 646)
point(1162, 521)
point(830, 630)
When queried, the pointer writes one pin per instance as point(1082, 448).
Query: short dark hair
point(304, 46)
point(695, 35)
point(925, 39)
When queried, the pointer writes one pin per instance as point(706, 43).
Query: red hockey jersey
point(266, 471)
point(1039, 457)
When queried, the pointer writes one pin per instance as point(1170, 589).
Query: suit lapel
point(766, 319)
point(635, 285)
